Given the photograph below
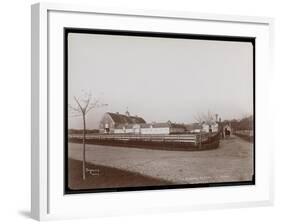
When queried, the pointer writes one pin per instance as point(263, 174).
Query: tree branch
point(77, 101)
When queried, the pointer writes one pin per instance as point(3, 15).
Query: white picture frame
point(48, 200)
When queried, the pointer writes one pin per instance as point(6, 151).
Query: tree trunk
point(84, 147)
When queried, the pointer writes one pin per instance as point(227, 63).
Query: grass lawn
point(105, 177)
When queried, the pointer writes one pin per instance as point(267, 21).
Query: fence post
point(200, 140)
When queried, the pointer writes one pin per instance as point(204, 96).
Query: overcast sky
point(160, 79)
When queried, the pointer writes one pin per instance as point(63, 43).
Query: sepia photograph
point(149, 110)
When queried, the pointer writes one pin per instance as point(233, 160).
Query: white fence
point(185, 138)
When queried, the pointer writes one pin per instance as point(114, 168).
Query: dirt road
point(232, 161)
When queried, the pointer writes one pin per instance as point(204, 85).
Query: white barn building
point(115, 123)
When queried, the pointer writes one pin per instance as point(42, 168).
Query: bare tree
point(83, 106)
point(208, 118)
point(199, 118)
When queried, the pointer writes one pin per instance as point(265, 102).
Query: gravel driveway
point(232, 161)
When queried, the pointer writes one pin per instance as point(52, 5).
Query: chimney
point(127, 113)
point(217, 117)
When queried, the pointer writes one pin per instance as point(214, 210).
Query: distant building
point(150, 129)
point(116, 123)
point(193, 128)
point(210, 127)
point(206, 127)
point(110, 121)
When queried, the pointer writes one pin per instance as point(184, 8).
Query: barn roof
point(124, 119)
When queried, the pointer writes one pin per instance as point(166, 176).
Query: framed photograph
point(170, 134)
point(166, 109)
